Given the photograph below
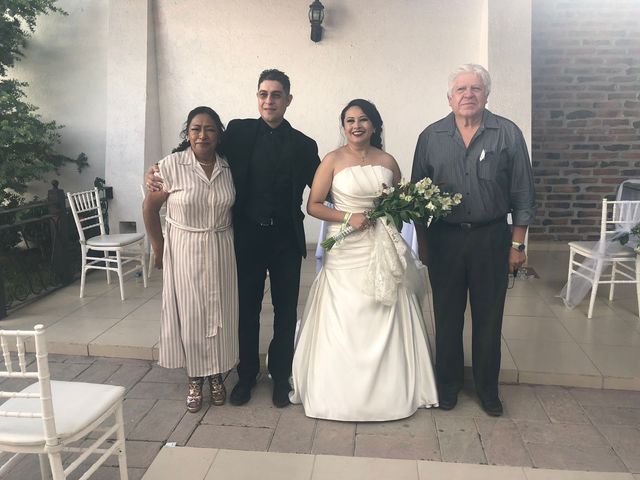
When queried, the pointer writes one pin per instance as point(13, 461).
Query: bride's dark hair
point(372, 113)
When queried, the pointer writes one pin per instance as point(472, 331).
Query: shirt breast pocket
point(488, 166)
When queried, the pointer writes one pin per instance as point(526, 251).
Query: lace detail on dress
point(387, 264)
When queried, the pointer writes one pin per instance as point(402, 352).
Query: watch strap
point(518, 246)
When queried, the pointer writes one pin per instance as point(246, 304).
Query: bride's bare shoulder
point(336, 155)
point(336, 159)
point(380, 157)
point(389, 162)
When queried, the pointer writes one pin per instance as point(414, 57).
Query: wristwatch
point(518, 246)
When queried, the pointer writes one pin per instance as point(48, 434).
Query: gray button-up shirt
point(493, 174)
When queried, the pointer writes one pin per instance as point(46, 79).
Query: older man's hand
point(516, 259)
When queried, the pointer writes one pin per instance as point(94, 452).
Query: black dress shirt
point(493, 174)
point(270, 177)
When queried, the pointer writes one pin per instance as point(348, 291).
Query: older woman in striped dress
point(199, 329)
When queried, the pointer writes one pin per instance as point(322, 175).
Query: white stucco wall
point(132, 113)
point(397, 54)
point(509, 61)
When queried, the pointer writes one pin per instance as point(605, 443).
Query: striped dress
point(199, 329)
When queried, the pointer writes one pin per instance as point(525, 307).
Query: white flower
point(405, 197)
point(403, 182)
point(431, 206)
point(388, 190)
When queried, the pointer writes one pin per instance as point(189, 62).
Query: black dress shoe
point(448, 402)
point(492, 407)
point(241, 393)
point(281, 389)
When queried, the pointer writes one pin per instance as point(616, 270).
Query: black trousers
point(260, 250)
point(474, 263)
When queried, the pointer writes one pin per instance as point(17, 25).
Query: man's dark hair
point(278, 76)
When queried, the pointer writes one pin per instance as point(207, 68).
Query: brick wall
point(586, 110)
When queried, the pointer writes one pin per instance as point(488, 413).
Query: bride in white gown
point(363, 352)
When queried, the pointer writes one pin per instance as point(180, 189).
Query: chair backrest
point(87, 211)
point(13, 348)
point(629, 190)
point(618, 217)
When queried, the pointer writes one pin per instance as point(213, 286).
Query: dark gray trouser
point(473, 262)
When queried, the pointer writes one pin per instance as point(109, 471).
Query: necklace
point(362, 156)
point(206, 164)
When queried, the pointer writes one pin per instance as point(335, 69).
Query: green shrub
point(27, 144)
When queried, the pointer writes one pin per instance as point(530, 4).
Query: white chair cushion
point(75, 405)
point(115, 240)
point(614, 249)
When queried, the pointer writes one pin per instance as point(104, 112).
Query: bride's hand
point(359, 221)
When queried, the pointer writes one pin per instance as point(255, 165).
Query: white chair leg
point(56, 466)
point(613, 279)
point(83, 275)
point(107, 264)
point(638, 281)
point(143, 264)
point(152, 259)
point(44, 466)
point(122, 452)
point(569, 275)
point(120, 279)
point(594, 287)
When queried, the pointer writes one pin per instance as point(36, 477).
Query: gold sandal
point(194, 397)
point(218, 391)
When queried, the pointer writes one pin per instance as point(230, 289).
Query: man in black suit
point(271, 162)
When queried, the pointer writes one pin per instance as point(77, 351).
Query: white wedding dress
point(363, 353)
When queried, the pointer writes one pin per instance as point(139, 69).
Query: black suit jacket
point(302, 151)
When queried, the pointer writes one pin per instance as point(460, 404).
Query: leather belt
point(474, 225)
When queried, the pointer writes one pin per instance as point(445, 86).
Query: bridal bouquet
point(407, 201)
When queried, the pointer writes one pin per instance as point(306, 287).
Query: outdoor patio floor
point(547, 432)
point(543, 342)
point(555, 365)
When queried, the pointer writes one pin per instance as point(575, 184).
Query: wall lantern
point(316, 15)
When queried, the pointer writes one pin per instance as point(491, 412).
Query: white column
point(132, 109)
point(509, 61)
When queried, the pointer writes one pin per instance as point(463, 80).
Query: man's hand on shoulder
point(151, 180)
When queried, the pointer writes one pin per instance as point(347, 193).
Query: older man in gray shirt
point(470, 252)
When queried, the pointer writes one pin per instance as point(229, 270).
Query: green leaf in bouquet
point(389, 218)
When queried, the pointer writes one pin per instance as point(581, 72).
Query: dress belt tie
point(213, 322)
point(189, 228)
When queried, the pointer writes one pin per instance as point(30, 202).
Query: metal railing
point(39, 250)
